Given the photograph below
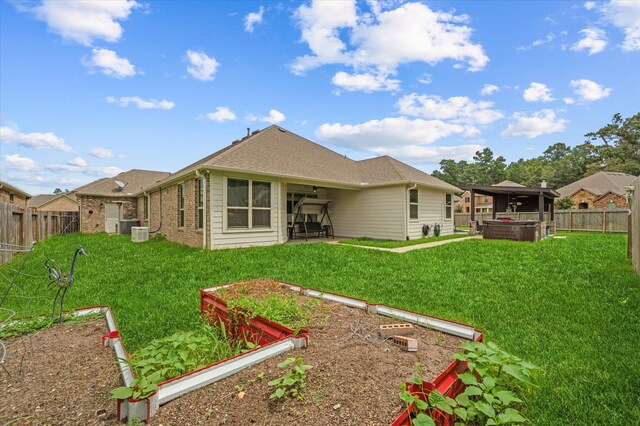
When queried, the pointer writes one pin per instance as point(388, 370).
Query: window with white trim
point(447, 206)
point(413, 204)
point(248, 204)
point(181, 205)
point(200, 203)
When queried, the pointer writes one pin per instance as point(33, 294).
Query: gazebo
point(516, 199)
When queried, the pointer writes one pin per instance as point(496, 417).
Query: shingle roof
point(10, 188)
point(599, 183)
point(508, 183)
point(41, 199)
point(135, 181)
point(279, 152)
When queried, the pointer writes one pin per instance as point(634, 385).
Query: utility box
point(139, 234)
point(124, 226)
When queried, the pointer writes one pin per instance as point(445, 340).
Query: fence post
point(570, 221)
point(604, 221)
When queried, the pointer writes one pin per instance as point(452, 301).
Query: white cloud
point(201, 66)
point(364, 82)
point(77, 162)
point(274, 117)
point(537, 92)
point(594, 40)
point(589, 5)
point(104, 171)
point(589, 90)
point(108, 62)
point(99, 152)
point(25, 164)
point(78, 165)
point(569, 101)
point(401, 138)
point(425, 78)
point(489, 89)
point(252, 19)
point(458, 109)
point(539, 123)
point(84, 21)
point(539, 42)
point(221, 114)
point(34, 140)
point(380, 41)
point(625, 14)
point(140, 103)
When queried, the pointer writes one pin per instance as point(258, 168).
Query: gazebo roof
point(513, 190)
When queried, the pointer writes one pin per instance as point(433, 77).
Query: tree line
point(615, 147)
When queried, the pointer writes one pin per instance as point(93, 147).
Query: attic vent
point(235, 142)
point(282, 130)
point(255, 132)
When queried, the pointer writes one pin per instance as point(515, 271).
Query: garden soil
point(67, 376)
point(59, 376)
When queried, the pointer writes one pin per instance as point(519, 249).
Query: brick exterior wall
point(17, 199)
point(603, 201)
point(583, 196)
point(94, 222)
point(189, 234)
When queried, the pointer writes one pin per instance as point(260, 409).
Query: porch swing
point(312, 206)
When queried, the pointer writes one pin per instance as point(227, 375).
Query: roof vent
point(255, 132)
point(235, 142)
point(282, 130)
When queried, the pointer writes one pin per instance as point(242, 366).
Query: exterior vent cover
point(139, 234)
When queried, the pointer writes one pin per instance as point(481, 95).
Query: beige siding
point(431, 211)
point(375, 213)
point(62, 204)
point(222, 238)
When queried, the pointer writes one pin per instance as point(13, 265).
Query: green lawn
point(569, 305)
point(371, 242)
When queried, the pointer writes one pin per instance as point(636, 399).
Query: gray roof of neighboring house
point(10, 188)
point(135, 181)
point(599, 184)
point(508, 183)
point(279, 152)
point(42, 199)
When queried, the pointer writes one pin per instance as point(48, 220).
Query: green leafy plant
point(293, 380)
point(176, 355)
point(490, 397)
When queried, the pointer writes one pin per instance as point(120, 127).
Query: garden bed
point(355, 379)
point(66, 377)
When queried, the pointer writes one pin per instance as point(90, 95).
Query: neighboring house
point(483, 203)
point(54, 203)
point(107, 201)
point(245, 194)
point(600, 190)
point(13, 195)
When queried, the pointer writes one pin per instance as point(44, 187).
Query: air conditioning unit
point(139, 234)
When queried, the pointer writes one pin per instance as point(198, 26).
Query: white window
point(447, 206)
point(413, 204)
point(248, 204)
point(181, 205)
point(200, 203)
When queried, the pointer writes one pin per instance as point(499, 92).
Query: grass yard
point(371, 242)
point(569, 305)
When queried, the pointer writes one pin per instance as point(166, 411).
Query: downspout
point(204, 176)
point(406, 210)
point(160, 224)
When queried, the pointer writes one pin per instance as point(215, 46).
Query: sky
point(89, 89)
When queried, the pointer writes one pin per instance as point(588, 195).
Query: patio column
point(541, 207)
point(473, 204)
point(493, 207)
point(552, 211)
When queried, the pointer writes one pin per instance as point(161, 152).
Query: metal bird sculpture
point(60, 280)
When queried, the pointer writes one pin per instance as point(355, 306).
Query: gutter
point(204, 177)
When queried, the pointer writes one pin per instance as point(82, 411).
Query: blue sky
point(92, 88)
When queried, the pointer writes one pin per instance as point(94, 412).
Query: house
point(13, 195)
point(106, 202)
point(54, 203)
point(599, 190)
point(246, 195)
point(483, 203)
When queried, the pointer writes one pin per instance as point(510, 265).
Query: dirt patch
point(66, 377)
point(353, 380)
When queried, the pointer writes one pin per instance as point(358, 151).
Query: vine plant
point(493, 381)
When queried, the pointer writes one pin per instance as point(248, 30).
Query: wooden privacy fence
point(592, 220)
point(633, 239)
point(23, 227)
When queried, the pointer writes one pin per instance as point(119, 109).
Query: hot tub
point(517, 230)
